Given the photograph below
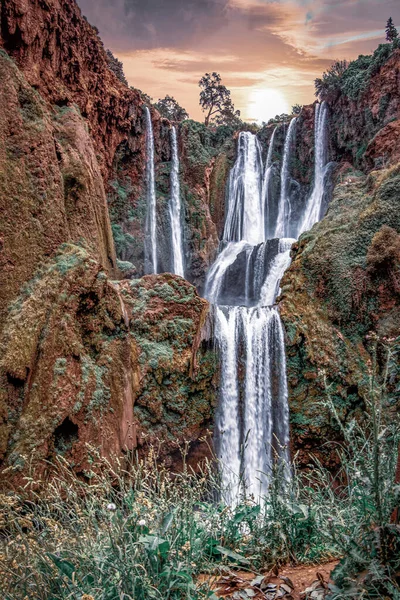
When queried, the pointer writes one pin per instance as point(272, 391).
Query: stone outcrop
point(90, 362)
point(343, 285)
point(88, 357)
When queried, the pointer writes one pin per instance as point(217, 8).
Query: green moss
point(31, 106)
point(123, 241)
point(125, 266)
point(60, 367)
point(155, 353)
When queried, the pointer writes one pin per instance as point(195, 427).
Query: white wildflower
point(111, 506)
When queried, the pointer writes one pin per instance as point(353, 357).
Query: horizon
point(267, 52)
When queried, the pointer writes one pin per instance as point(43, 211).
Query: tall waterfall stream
point(252, 421)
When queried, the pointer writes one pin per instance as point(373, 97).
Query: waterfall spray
point(245, 218)
point(252, 422)
point(266, 183)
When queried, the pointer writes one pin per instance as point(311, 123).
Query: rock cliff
point(90, 357)
point(86, 357)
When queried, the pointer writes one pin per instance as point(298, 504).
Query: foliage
point(123, 241)
point(391, 31)
point(116, 67)
point(144, 534)
point(369, 538)
point(352, 79)
point(215, 101)
point(296, 109)
point(283, 118)
point(145, 97)
point(169, 108)
point(330, 81)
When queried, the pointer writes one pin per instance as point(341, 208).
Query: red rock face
point(63, 58)
point(364, 131)
point(71, 370)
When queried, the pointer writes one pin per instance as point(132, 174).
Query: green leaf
point(246, 514)
point(65, 567)
point(231, 554)
point(167, 522)
point(154, 544)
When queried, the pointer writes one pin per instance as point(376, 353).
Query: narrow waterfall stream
point(312, 214)
point(252, 420)
point(150, 244)
point(175, 210)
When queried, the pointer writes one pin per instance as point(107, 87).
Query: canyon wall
point(87, 358)
point(342, 292)
point(92, 357)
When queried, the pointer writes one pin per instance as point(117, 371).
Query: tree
point(215, 99)
point(329, 84)
point(296, 109)
point(391, 31)
point(169, 108)
point(145, 97)
point(116, 66)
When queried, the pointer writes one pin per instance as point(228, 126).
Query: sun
point(265, 103)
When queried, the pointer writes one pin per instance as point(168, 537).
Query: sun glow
point(265, 103)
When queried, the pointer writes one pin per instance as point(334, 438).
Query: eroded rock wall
point(90, 362)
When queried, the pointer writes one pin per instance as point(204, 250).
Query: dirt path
point(290, 584)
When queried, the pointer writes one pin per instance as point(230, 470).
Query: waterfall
point(252, 420)
point(245, 218)
point(281, 262)
point(175, 209)
point(253, 409)
point(266, 183)
point(312, 213)
point(150, 246)
point(283, 220)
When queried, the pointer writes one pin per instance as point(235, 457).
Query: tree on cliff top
point(169, 108)
point(215, 101)
point(116, 67)
point(391, 31)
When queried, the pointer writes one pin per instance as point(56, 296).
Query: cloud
point(147, 24)
point(167, 45)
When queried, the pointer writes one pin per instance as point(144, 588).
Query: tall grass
point(144, 533)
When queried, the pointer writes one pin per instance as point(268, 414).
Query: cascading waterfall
point(266, 183)
point(312, 213)
point(150, 246)
point(245, 218)
point(252, 420)
point(283, 221)
point(175, 209)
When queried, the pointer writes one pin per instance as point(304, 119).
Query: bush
point(352, 79)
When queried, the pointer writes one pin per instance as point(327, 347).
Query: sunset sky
point(268, 52)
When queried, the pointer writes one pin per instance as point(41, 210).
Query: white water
point(252, 421)
point(270, 290)
point(283, 220)
point(151, 219)
point(245, 218)
point(175, 209)
point(266, 182)
point(312, 214)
